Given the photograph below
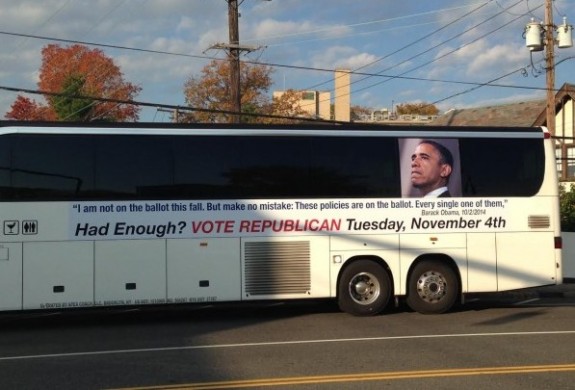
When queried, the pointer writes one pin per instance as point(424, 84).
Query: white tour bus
point(125, 214)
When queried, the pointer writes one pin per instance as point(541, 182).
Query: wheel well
point(375, 259)
point(435, 256)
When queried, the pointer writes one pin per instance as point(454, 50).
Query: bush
point(567, 208)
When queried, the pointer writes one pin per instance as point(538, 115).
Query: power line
point(109, 46)
point(187, 108)
point(453, 37)
point(329, 29)
point(412, 43)
point(94, 25)
point(156, 105)
point(490, 83)
point(389, 78)
point(454, 50)
point(271, 64)
point(224, 112)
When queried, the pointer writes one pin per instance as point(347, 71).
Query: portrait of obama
point(429, 167)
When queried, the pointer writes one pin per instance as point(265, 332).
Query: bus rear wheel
point(364, 288)
point(433, 287)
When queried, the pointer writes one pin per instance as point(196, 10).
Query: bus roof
point(328, 130)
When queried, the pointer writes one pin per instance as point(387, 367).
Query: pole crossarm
point(229, 46)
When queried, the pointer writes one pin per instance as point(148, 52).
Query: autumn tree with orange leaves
point(76, 77)
point(26, 109)
point(417, 109)
point(212, 91)
point(285, 106)
point(211, 94)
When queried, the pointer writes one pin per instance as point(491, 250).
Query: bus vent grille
point(277, 267)
point(539, 221)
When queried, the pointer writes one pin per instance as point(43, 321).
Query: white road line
point(276, 343)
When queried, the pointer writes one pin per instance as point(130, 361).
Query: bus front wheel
point(364, 288)
point(433, 287)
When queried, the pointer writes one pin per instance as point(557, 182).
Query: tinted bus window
point(501, 167)
point(286, 167)
point(355, 167)
point(129, 167)
point(5, 168)
point(67, 167)
point(50, 168)
point(275, 167)
point(203, 166)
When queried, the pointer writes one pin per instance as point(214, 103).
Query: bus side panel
point(536, 264)
point(481, 262)
point(58, 274)
point(130, 272)
point(204, 270)
point(10, 276)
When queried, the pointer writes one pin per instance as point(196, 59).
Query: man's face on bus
point(427, 171)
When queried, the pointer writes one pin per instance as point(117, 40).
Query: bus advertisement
point(97, 216)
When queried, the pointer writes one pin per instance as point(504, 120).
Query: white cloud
point(498, 58)
point(341, 57)
point(478, 61)
point(26, 14)
point(271, 29)
point(358, 60)
point(186, 23)
point(171, 45)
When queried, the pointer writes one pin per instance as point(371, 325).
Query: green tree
point(567, 208)
point(69, 106)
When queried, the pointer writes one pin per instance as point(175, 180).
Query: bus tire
point(364, 288)
point(433, 287)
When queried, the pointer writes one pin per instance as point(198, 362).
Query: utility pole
point(175, 114)
point(234, 50)
point(539, 36)
point(234, 57)
point(550, 65)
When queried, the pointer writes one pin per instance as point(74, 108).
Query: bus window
point(356, 167)
point(50, 168)
point(508, 167)
point(133, 167)
point(203, 166)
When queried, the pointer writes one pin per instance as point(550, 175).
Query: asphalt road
point(521, 340)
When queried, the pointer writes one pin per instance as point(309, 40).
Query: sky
point(408, 51)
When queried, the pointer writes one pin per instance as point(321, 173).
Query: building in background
point(529, 113)
point(512, 114)
point(342, 92)
point(564, 126)
point(315, 103)
point(318, 103)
